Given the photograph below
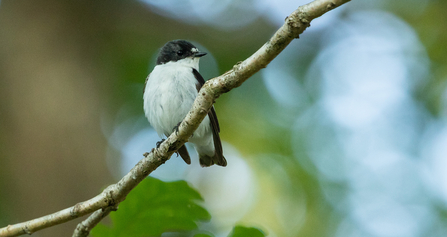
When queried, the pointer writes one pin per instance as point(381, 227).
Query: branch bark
point(103, 203)
point(84, 228)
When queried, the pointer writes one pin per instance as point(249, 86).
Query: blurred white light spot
point(323, 148)
point(360, 84)
point(367, 70)
point(228, 191)
point(283, 87)
point(435, 152)
point(283, 198)
point(382, 216)
point(365, 73)
point(349, 229)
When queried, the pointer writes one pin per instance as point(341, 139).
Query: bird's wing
point(220, 160)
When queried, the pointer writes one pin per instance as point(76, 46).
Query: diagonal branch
point(294, 25)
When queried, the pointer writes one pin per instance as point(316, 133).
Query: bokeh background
point(343, 134)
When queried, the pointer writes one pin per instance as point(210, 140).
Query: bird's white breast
point(169, 94)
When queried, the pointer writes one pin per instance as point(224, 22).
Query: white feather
point(169, 94)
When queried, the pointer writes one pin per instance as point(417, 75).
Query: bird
point(168, 95)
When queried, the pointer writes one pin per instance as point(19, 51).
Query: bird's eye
point(180, 52)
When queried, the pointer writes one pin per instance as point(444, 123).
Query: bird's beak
point(199, 54)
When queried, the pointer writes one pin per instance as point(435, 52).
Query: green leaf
point(155, 207)
point(241, 231)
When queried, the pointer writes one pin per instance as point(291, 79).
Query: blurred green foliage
point(155, 207)
point(241, 231)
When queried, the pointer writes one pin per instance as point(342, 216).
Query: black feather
point(218, 158)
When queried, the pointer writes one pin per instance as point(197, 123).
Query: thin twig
point(295, 24)
point(84, 228)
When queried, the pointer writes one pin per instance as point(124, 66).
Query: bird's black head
point(176, 50)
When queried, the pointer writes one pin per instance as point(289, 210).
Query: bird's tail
point(218, 159)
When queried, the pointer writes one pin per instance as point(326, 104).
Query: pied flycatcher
point(169, 93)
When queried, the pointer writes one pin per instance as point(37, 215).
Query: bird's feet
point(175, 129)
point(159, 143)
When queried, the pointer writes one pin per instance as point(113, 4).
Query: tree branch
point(84, 228)
point(294, 25)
